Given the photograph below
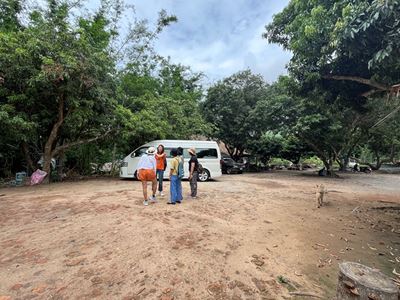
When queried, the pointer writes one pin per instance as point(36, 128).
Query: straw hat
point(192, 151)
point(151, 151)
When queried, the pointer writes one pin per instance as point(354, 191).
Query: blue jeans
point(160, 177)
point(179, 192)
point(174, 188)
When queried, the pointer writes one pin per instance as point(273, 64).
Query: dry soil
point(251, 236)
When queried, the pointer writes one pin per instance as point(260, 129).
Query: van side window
point(168, 152)
point(139, 152)
point(207, 153)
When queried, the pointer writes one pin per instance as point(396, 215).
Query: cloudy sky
point(218, 37)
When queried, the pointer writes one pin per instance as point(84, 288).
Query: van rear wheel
point(204, 176)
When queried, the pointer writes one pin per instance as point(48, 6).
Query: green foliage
point(9, 10)
point(313, 160)
point(279, 162)
point(380, 19)
point(165, 105)
point(334, 38)
point(67, 80)
point(228, 107)
point(267, 145)
point(282, 279)
point(57, 79)
point(381, 139)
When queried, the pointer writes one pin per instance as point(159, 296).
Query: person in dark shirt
point(193, 172)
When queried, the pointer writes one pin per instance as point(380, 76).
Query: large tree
point(228, 108)
point(57, 80)
point(273, 118)
point(332, 40)
point(338, 66)
point(160, 104)
point(380, 133)
point(59, 73)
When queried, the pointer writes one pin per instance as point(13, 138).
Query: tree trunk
point(48, 148)
point(237, 154)
point(328, 163)
point(113, 160)
point(344, 163)
point(47, 166)
point(230, 150)
point(60, 166)
point(296, 161)
point(357, 281)
point(373, 167)
point(31, 165)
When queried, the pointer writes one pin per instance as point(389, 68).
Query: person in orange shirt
point(161, 162)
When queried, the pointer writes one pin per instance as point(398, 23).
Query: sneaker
point(153, 199)
point(145, 203)
point(172, 203)
point(161, 194)
point(178, 201)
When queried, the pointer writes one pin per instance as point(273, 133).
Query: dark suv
point(229, 166)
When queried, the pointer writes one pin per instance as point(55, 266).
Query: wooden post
point(359, 282)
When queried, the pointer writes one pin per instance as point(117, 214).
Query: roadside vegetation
point(82, 90)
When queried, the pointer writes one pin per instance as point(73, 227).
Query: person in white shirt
point(146, 171)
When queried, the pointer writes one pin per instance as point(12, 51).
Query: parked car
point(363, 168)
point(296, 167)
point(229, 166)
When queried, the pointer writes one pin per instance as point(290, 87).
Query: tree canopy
point(355, 41)
point(81, 88)
point(343, 59)
point(68, 79)
point(228, 108)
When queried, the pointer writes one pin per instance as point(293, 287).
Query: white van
point(208, 154)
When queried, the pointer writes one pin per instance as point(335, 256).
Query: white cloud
point(218, 37)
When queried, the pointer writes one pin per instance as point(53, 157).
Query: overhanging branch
point(369, 82)
point(79, 142)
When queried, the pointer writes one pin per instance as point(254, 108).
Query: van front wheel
point(204, 176)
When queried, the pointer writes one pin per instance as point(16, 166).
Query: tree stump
point(359, 282)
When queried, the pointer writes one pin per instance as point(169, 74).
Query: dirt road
point(252, 236)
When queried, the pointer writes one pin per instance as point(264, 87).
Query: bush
point(313, 160)
point(279, 162)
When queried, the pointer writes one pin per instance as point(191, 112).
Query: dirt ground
point(251, 236)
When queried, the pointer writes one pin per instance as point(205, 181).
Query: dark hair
point(174, 152)
point(162, 149)
point(180, 151)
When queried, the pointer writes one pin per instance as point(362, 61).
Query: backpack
point(181, 171)
point(200, 168)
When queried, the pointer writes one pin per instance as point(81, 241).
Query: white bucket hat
point(151, 151)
